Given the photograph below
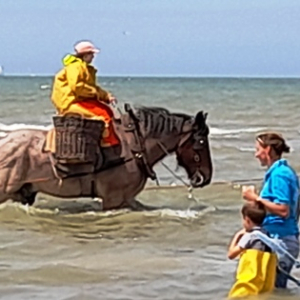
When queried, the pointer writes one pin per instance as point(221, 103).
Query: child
point(257, 266)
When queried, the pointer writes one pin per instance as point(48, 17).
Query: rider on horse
point(75, 91)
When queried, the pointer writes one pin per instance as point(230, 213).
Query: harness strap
point(276, 246)
point(139, 138)
point(280, 250)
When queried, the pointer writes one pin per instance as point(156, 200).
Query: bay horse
point(25, 169)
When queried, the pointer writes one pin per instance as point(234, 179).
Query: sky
point(154, 37)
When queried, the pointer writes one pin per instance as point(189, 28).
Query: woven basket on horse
point(77, 139)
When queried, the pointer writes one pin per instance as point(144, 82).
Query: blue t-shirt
point(281, 186)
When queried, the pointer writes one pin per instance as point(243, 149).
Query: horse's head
point(193, 152)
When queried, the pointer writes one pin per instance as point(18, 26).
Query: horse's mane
point(159, 121)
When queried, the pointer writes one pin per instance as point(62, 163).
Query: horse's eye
point(196, 158)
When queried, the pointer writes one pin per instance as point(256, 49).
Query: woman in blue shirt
point(279, 195)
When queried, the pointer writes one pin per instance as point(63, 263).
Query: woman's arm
point(279, 192)
point(281, 210)
point(103, 95)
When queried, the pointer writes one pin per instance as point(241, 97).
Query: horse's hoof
point(99, 202)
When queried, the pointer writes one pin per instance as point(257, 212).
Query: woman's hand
point(112, 99)
point(248, 193)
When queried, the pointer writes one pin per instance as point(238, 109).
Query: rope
point(175, 175)
point(165, 150)
point(190, 188)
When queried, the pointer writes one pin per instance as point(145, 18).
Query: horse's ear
point(200, 119)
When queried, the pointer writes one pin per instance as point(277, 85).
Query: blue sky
point(154, 37)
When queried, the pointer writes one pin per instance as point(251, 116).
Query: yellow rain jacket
point(76, 82)
point(256, 271)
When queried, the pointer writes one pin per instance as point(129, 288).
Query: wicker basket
point(77, 138)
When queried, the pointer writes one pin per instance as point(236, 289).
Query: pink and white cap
point(85, 47)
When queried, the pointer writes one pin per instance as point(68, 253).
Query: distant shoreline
point(162, 76)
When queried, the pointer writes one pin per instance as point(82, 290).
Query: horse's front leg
point(117, 188)
point(136, 205)
point(99, 202)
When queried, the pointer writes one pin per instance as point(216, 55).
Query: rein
point(190, 188)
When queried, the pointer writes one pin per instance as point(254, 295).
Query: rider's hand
point(112, 99)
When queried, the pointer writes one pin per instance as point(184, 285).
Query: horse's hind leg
point(11, 190)
point(25, 195)
point(4, 197)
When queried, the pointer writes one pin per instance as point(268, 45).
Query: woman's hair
point(275, 141)
point(255, 211)
point(79, 55)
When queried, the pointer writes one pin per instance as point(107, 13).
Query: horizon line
point(162, 76)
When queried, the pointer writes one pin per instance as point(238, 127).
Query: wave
point(17, 126)
point(213, 130)
point(76, 209)
point(251, 149)
point(228, 132)
point(45, 86)
point(181, 214)
point(246, 149)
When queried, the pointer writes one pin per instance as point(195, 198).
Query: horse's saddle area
point(75, 145)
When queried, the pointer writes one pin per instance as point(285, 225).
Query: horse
point(26, 169)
